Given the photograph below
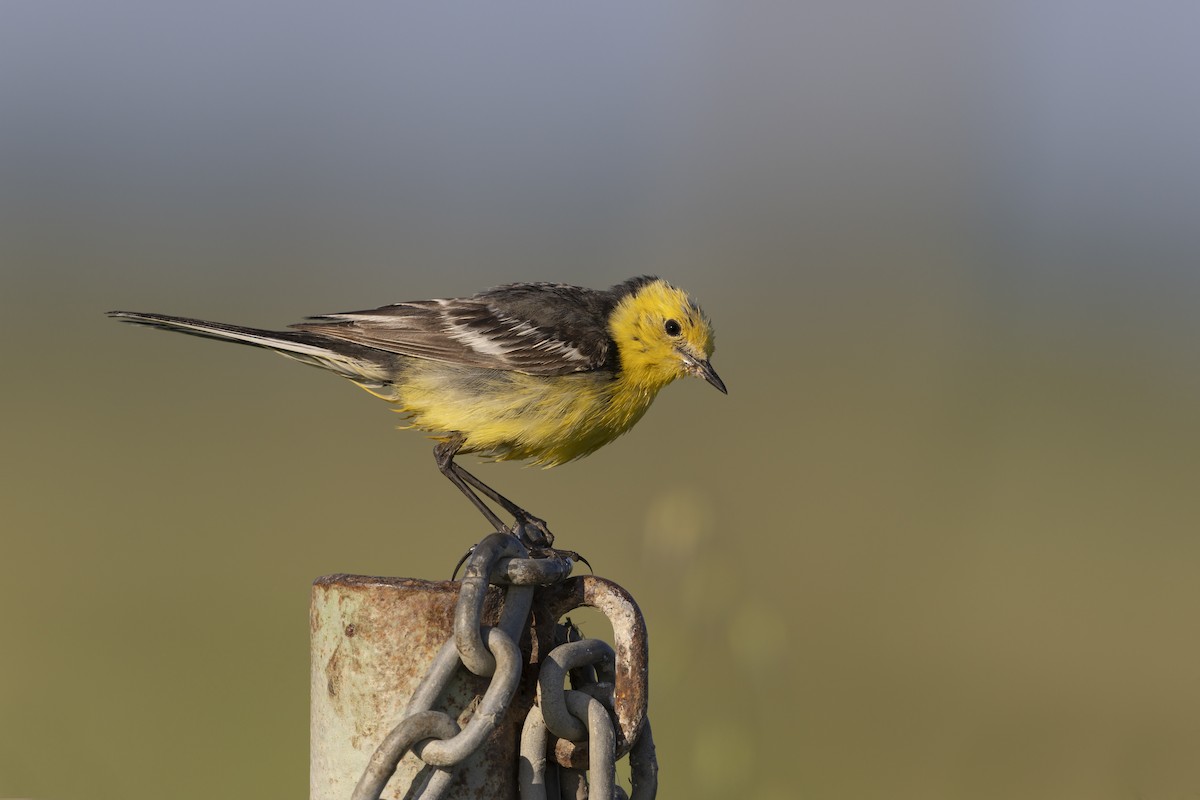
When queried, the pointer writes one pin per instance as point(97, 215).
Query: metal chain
point(596, 722)
point(583, 716)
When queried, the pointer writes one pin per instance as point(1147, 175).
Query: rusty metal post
point(373, 640)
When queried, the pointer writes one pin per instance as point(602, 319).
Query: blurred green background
point(940, 540)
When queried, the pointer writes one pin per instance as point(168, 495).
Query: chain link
point(555, 709)
point(587, 727)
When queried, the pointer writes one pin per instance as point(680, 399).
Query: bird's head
point(661, 335)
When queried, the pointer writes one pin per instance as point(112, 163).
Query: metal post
point(373, 640)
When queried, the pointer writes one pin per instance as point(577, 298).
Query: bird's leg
point(443, 453)
point(530, 529)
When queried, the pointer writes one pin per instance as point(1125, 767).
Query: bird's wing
point(538, 329)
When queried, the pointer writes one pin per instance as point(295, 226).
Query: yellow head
point(661, 335)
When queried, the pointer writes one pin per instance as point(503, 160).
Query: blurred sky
point(939, 540)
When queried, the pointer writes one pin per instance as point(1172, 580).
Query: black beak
point(700, 367)
point(705, 370)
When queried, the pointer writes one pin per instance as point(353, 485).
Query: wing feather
point(534, 328)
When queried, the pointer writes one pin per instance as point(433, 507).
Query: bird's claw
point(463, 560)
point(551, 552)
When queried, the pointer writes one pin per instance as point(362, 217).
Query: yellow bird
point(544, 372)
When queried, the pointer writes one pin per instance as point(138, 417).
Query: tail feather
point(371, 368)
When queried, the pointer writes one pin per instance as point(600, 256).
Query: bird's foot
point(534, 533)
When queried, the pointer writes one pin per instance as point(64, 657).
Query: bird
point(539, 372)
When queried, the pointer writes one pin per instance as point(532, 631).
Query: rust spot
point(351, 630)
point(333, 671)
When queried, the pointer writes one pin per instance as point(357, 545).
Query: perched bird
point(543, 372)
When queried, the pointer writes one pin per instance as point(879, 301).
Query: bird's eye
point(672, 328)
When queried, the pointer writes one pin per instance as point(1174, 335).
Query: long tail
point(372, 369)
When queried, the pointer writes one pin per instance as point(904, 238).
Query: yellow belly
point(510, 415)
